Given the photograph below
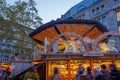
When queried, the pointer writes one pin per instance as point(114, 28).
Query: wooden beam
point(88, 30)
point(57, 30)
point(38, 41)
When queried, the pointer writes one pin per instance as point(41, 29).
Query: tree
point(21, 15)
point(24, 13)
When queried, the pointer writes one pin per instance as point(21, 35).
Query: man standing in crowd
point(105, 72)
point(114, 73)
point(3, 75)
point(56, 75)
point(80, 71)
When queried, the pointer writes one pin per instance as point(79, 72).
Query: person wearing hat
point(97, 74)
point(114, 73)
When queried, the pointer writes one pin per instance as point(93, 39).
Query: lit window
point(119, 29)
point(118, 16)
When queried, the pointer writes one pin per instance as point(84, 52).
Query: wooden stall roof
point(85, 28)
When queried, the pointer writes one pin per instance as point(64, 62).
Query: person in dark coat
point(114, 73)
point(89, 73)
point(80, 71)
point(97, 74)
point(105, 72)
point(3, 75)
point(84, 76)
point(56, 75)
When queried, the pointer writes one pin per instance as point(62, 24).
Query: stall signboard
point(93, 53)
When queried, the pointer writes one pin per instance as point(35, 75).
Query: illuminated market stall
point(67, 43)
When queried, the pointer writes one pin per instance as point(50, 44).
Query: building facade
point(106, 12)
point(14, 41)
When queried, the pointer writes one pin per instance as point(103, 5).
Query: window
point(83, 15)
point(4, 40)
point(14, 42)
point(17, 36)
point(97, 9)
point(116, 2)
point(93, 11)
point(13, 28)
point(118, 16)
point(79, 17)
point(104, 20)
point(102, 7)
point(81, 7)
point(99, 20)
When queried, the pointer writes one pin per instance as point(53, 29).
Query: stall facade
point(67, 43)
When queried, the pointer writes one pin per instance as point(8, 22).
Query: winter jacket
point(99, 77)
point(106, 74)
point(31, 75)
point(85, 78)
point(115, 75)
point(56, 77)
point(78, 76)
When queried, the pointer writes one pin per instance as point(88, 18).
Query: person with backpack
point(114, 72)
point(105, 72)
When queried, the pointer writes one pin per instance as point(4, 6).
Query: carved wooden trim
point(49, 48)
point(104, 37)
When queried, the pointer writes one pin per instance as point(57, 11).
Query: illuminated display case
point(118, 64)
point(61, 65)
point(68, 69)
point(74, 66)
point(64, 68)
point(98, 63)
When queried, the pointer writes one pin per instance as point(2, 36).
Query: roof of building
point(85, 28)
point(80, 7)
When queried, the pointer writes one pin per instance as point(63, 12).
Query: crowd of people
point(98, 73)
